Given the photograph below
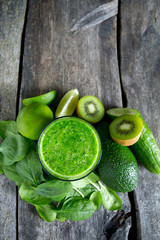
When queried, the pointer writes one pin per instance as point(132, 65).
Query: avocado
point(118, 168)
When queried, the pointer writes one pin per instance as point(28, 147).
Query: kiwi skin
point(82, 103)
point(126, 142)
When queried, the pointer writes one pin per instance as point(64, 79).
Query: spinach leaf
point(60, 217)
point(47, 212)
point(11, 173)
point(110, 200)
point(1, 163)
point(7, 128)
point(29, 194)
point(1, 169)
point(30, 169)
point(92, 178)
point(96, 198)
point(87, 190)
point(14, 148)
point(80, 183)
point(77, 208)
point(73, 193)
point(55, 189)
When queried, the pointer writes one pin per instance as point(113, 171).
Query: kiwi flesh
point(90, 108)
point(126, 129)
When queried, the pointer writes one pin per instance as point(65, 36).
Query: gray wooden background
point(117, 61)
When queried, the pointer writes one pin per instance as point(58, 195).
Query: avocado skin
point(118, 168)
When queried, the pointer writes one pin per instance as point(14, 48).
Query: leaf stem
point(94, 184)
point(76, 189)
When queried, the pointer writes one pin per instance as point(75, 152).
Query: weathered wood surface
point(55, 58)
point(140, 71)
point(11, 25)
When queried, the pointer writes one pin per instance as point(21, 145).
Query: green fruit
point(46, 98)
point(118, 167)
point(117, 112)
point(32, 119)
point(90, 108)
point(67, 104)
point(146, 150)
point(126, 129)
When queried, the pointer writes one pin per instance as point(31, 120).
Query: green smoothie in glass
point(69, 148)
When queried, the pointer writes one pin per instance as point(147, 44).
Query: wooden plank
point(11, 24)
point(55, 58)
point(140, 71)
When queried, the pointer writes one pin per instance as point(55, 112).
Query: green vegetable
point(110, 200)
point(60, 217)
point(96, 197)
point(92, 177)
point(7, 128)
point(30, 169)
point(77, 208)
point(46, 98)
point(29, 194)
point(118, 167)
point(54, 189)
point(1, 169)
point(146, 149)
point(14, 148)
point(11, 173)
point(47, 212)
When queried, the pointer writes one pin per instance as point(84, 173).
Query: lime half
point(46, 98)
point(67, 104)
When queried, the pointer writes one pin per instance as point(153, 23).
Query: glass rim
point(69, 180)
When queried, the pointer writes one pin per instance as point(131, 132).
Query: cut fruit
point(117, 112)
point(90, 108)
point(32, 119)
point(126, 129)
point(46, 98)
point(67, 104)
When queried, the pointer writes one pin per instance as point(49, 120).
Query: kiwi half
point(126, 129)
point(90, 108)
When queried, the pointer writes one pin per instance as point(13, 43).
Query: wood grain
point(11, 25)
point(55, 58)
point(140, 68)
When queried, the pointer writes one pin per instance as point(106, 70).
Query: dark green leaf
point(54, 189)
point(7, 128)
point(29, 194)
point(110, 200)
point(30, 169)
point(47, 212)
point(11, 173)
point(96, 198)
point(14, 148)
point(77, 209)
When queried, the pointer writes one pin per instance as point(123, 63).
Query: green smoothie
point(69, 148)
